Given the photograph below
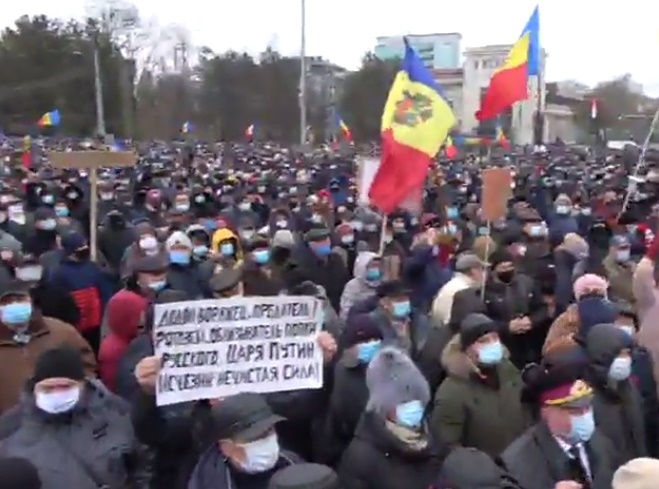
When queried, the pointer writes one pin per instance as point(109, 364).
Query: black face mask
point(506, 276)
point(83, 254)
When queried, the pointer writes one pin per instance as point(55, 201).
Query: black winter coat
point(377, 459)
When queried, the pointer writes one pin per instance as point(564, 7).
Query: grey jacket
point(94, 441)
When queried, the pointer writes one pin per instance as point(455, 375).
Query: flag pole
point(539, 117)
point(303, 72)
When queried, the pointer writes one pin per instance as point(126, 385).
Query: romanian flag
point(509, 84)
point(449, 148)
point(249, 132)
point(187, 127)
point(51, 118)
point(344, 128)
point(415, 123)
point(501, 138)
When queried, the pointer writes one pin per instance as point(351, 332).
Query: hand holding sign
point(146, 373)
point(327, 343)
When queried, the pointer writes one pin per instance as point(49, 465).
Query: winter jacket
point(92, 446)
point(382, 456)
point(358, 289)
point(123, 315)
point(473, 413)
point(44, 334)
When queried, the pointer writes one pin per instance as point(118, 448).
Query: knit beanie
point(61, 362)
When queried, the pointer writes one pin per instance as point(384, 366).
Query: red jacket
point(124, 314)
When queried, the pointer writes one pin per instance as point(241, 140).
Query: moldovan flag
point(249, 132)
point(187, 127)
point(509, 84)
point(344, 128)
point(501, 138)
point(415, 123)
point(449, 148)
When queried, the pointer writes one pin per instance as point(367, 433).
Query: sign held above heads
point(92, 159)
point(496, 193)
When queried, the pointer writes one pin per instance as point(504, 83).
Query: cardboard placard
point(496, 193)
point(92, 159)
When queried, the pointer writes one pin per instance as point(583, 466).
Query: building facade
point(437, 51)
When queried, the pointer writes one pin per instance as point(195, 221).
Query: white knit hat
point(640, 473)
point(178, 238)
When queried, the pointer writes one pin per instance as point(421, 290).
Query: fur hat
point(393, 379)
point(640, 473)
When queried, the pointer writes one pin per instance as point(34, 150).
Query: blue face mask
point(402, 309)
point(620, 369)
point(179, 257)
point(227, 249)
point(373, 274)
point(157, 286)
point(48, 224)
point(366, 351)
point(261, 256)
point(490, 354)
point(210, 225)
point(482, 231)
point(199, 251)
point(583, 426)
point(16, 313)
point(452, 212)
point(409, 414)
point(452, 229)
point(322, 249)
point(61, 211)
point(48, 199)
point(563, 210)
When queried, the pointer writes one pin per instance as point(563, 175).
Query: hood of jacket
point(124, 313)
point(361, 264)
point(603, 344)
point(225, 234)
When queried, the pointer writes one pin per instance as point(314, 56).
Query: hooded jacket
point(358, 288)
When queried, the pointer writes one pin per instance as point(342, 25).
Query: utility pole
point(98, 91)
point(303, 74)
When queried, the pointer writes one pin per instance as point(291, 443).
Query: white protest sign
point(220, 347)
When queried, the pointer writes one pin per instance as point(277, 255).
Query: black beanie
point(473, 327)
point(63, 361)
point(18, 473)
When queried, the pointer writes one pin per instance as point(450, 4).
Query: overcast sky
point(624, 38)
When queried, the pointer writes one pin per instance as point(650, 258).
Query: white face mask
point(59, 401)
point(260, 455)
point(148, 243)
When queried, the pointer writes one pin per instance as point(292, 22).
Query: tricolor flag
point(249, 132)
point(415, 123)
point(593, 109)
point(51, 118)
point(501, 138)
point(187, 127)
point(344, 128)
point(449, 148)
point(509, 84)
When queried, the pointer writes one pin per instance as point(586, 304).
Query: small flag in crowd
point(501, 138)
point(51, 118)
point(249, 132)
point(449, 148)
point(344, 128)
point(187, 127)
point(593, 109)
point(415, 123)
point(509, 84)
